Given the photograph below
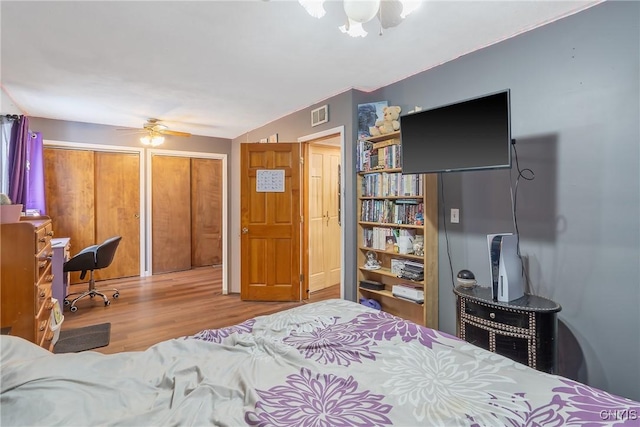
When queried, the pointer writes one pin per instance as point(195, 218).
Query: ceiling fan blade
point(124, 132)
point(173, 132)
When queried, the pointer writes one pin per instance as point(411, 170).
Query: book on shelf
point(379, 155)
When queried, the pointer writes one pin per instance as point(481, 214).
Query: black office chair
point(92, 258)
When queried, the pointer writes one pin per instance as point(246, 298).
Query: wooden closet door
point(171, 213)
point(206, 212)
point(117, 209)
point(70, 188)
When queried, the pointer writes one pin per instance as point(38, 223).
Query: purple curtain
point(35, 174)
point(18, 147)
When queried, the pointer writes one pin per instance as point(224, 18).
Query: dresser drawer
point(43, 293)
point(44, 318)
point(43, 264)
point(498, 315)
point(43, 237)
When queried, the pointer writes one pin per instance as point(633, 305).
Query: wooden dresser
point(25, 293)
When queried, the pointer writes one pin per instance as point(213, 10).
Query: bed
point(329, 363)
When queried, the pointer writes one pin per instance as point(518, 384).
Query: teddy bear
point(389, 123)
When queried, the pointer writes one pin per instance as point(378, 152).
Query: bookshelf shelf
point(390, 224)
point(380, 251)
point(394, 209)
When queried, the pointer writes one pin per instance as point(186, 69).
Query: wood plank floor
point(157, 308)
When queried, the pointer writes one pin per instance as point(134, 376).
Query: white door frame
point(337, 130)
point(198, 155)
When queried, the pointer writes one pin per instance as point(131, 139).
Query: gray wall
point(91, 133)
point(575, 115)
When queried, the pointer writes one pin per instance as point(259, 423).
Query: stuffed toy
point(389, 122)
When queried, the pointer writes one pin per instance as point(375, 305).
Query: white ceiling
point(222, 68)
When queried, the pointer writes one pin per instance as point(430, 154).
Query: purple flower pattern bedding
point(330, 363)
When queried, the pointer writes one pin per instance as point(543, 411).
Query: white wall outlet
point(455, 216)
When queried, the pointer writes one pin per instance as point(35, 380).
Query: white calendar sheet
point(270, 181)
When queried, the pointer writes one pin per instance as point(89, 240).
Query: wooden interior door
point(171, 213)
point(270, 223)
point(117, 208)
point(69, 177)
point(324, 224)
point(206, 212)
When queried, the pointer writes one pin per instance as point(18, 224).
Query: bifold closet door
point(206, 212)
point(94, 195)
point(69, 177)
point(117, 208)
point(170, 213)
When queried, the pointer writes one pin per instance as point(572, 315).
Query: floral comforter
point(331, 363)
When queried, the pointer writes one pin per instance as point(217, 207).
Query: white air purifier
point(507, 281)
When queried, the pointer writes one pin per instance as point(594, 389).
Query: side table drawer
point(498, 315)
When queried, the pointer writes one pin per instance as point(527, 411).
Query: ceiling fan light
point(314, 8)
point(354, 29)
point(152, 140)
point(361, 10)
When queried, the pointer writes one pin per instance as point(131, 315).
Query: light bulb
point(152, 140)
point(361, 10)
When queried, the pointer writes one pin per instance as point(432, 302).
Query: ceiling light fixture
point(389, 12)
point(152, 139)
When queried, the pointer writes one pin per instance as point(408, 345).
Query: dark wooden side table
point(523, 330)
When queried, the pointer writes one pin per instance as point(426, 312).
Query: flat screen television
point(468, 135)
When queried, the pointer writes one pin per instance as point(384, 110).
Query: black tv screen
point(468, 135)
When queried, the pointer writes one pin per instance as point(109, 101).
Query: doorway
point(323, 222)
point(322, 210)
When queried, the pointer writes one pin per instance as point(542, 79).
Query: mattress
point(330, 363)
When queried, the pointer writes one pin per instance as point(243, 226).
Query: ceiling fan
point(155, 126)
point(154, 132)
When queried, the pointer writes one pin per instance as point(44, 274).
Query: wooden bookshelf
point(391, 204)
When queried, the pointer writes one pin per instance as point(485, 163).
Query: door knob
point(245, 230)
point(136, 216)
